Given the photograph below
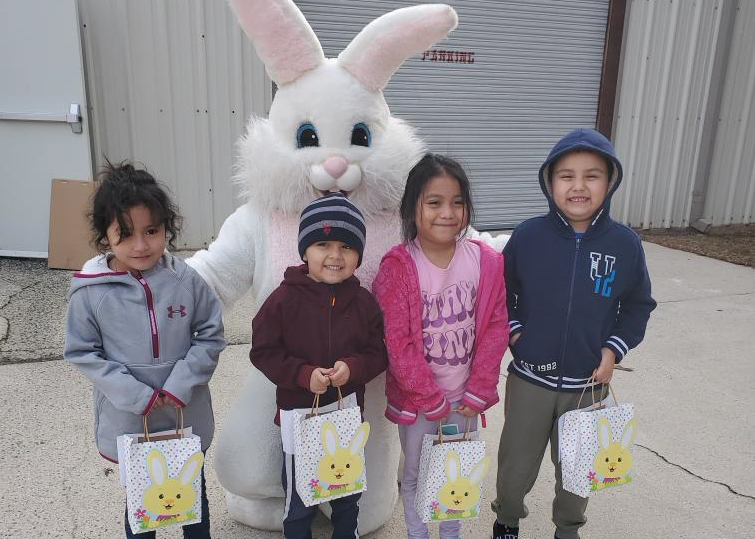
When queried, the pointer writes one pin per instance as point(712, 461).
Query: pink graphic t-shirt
point(448, 317)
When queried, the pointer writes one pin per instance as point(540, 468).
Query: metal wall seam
point(682, 118)
point(661, 108)
point(699, 169)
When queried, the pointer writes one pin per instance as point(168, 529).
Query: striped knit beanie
point(332, 218)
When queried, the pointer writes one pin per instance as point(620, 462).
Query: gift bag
point(163, 478)
point(329, 451)
point(451, 469)
point(594, 447)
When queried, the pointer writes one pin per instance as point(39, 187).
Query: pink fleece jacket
point(409, 385)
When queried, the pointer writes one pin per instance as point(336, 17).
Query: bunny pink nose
point(335, 165)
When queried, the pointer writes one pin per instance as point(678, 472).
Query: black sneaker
point(504, 532)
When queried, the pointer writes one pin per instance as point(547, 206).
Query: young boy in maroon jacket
point(320, 330)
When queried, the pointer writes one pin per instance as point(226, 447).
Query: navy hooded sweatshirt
point(570, 296)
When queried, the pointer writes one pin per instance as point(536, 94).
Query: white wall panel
point(731, 185)
point(171, 84)
point(668, 56)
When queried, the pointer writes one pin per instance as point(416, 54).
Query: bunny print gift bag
point(594, 448)
point(450, 472)
point(329, 451)
point(163, 482)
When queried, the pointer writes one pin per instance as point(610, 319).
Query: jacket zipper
point(568, 315)
point(331, 306)
point(152, 317)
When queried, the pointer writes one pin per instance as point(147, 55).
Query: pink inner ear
point(282, 37)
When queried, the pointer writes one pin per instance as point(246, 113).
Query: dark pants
point(200, 530)
point(297, 518)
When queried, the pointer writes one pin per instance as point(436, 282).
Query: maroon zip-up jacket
point(304, 325)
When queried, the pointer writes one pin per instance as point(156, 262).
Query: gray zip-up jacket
point(136, 338)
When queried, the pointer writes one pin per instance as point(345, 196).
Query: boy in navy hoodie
point(579, 299)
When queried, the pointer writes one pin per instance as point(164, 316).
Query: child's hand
point(319, 381)
point(168, 401)
point(465, 411)
point(340, 374)
point(512, 340)
point(159, 402)
point(604, 372)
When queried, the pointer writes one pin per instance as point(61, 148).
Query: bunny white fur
point(259, 239)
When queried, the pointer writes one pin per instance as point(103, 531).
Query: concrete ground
point(693, 389)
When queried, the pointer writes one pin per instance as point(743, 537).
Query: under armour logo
point(326, 228)
point(181, 310)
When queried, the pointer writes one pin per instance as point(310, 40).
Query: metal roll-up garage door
point(519, 76)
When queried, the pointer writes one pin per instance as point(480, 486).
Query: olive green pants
point(531, 421)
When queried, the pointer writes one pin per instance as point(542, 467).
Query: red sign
point(453, 57)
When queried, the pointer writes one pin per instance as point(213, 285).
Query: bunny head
point(166, 496)
point(329, 127)
point(461, 493)
point(614, 460)
point(341, 466)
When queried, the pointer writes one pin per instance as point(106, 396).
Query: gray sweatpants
point(531, 421)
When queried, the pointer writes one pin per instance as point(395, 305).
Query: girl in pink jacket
point(446, 327)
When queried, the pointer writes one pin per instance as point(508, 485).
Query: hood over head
point(588, 140)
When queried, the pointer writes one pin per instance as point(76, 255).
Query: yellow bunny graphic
point(170, 500)
point(341, 468)
point(459, 494)
point(613, 461)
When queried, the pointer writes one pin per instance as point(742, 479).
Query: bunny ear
point(190, 469)
point(604, 433)
point(479, 471)
point(383, 45)
point(629, 433)
point(282, 37)
point(156, 467)
point(360, 438)
point(452, 466)
point(329, 437)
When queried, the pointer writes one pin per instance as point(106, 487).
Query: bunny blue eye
point(306, 136)
point(360, 135)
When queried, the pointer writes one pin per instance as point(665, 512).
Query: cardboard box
point(68, 246)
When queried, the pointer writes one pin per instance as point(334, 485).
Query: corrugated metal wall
point(535, 76)
point(731, 185)
point(669, 49)
point(685, 127)
point(171, 84)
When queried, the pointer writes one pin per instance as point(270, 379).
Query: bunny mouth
point(168, 506)
point(457, 502)
point(338, 475)
point(611, 469)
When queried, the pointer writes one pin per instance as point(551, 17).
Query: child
point(579, 298)
point(446, 325)
point(142, 325)
point(318, 331)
